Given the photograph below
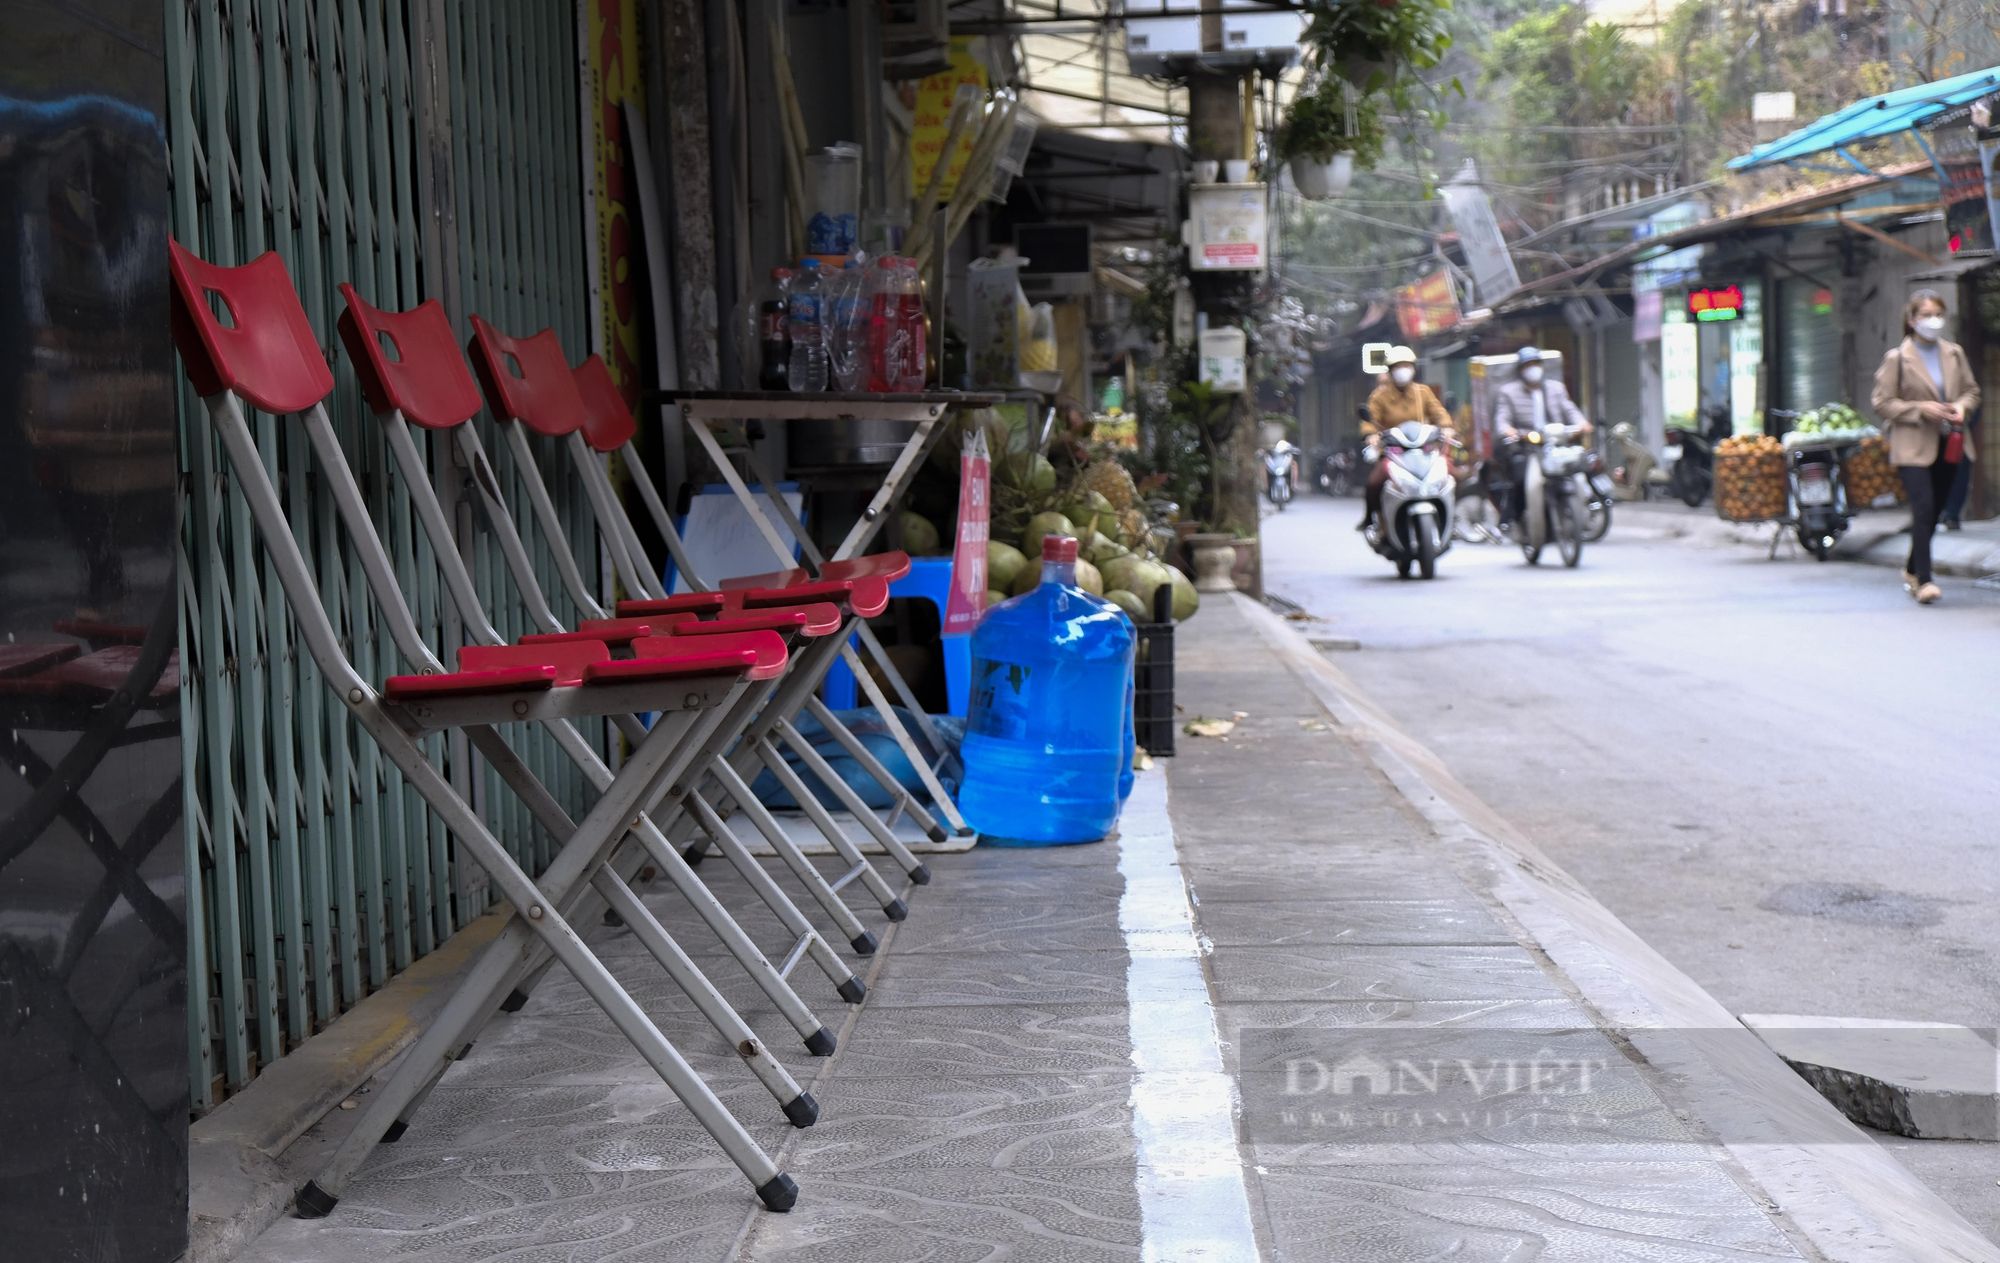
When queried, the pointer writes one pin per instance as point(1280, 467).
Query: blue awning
point(1873, 117)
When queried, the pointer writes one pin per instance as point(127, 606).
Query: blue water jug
point(1045, 737)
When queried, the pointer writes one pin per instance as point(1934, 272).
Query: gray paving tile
point(1249, 882)
point(988, 978)
point(1083, 924)
point(991, 1122)
point(444, 1217)
point(999, 1039)
point(1389, 973)
point(1476, 1207)
point(1353, 921)
point(1516, 1014)
point(1067, 1215)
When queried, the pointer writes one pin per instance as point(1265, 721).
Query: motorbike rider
point(1530, 402)
point(1395, 401)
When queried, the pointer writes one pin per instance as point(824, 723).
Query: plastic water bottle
point(850, 331)
point(1046, 734)
point(1126, 777)
point(807, 306)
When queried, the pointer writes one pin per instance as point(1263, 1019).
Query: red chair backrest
point(427, 378)
point(526, 378)
point(268, 352)
point(607, 422)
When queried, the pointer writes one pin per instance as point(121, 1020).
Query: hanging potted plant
point(1325, 139)
point(1370, 43)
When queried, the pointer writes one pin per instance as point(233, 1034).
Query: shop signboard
point(1707, 305)
point(1225, 360)
point(931, 120)
point(1646, 309)
point(1493, 270)
point(1427, 307)
point(1746, 362)
point(1680, 370)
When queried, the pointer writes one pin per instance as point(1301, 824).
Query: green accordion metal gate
point(417, 149)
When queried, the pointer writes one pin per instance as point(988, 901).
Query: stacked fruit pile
point(1117, 550)
point(1869, 475)
point(1750, 478)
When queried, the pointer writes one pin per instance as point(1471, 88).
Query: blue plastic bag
point(866, 725)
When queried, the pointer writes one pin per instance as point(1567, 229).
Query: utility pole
point(1217, 129)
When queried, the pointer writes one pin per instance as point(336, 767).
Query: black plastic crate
point(1153, 679)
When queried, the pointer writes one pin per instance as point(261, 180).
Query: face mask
point(1532, 374)
point(1402, 376)
point(1930, 328)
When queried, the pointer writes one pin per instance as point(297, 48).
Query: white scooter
point(1556, 493)
point(1414, 526)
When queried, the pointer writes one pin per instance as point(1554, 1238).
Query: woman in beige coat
point(1923, 392)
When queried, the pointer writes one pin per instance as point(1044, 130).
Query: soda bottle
point(848, 334)
point(897, 327)
point(909, 374)
point(773, 339)
point(806, 301)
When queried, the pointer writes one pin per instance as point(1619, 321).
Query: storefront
point(1712, 366)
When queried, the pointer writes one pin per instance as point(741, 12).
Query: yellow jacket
point(1391, 405)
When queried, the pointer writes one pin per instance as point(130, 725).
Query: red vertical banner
point(968, 559)
point(614, 78)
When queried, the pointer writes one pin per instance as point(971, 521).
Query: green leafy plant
point(1372, 41)
point(1315, 126)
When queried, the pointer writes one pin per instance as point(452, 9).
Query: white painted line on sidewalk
point(1193, 1205)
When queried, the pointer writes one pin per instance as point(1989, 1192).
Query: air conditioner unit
point(1152, 43)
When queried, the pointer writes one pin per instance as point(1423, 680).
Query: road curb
point(236, 1185)
point(1844, 1197)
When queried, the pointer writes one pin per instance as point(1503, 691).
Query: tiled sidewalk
point(983, 1103)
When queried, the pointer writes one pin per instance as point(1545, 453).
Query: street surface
point(1778, 773)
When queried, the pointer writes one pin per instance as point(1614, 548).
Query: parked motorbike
point(1281, 471)
point(1337, 471)
point(1600, 492)
point(1414, 527)
point(1693, 457)
point(1816, 495)
point(1556, 490)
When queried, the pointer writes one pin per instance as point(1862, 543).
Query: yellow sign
point(615, 78)
point(933, 119)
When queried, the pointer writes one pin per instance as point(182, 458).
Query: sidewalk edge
point(236, 1186)
point(1850, 1198)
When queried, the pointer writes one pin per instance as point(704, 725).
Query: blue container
point(1047, 735)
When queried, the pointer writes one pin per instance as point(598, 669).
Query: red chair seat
point(410, 688)
point(686, 602)
point(866, 596)
point(891, 566)
point(22, 660)
point(820, 619)
point(767, 648)
point(96, 676)
point(569, 658)
point(612, 631)
point(644, 668)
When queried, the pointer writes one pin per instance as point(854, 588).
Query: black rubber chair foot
point(820, 1043)
point(315, 1202)
point(896, 910)
point(921, 874)
point(936, 833)
point(968, 832)
point(693, 854)
point(802, 1110)
point(395, 1132)
point(864, 944)
point(853, 991)
point(516, 1000)
point(779, 1193)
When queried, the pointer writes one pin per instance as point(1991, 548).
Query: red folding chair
point(259, 349)
point(529, 385)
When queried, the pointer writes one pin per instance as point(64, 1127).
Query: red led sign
point(1715, 304)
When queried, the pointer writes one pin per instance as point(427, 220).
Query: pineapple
point(1111, 480)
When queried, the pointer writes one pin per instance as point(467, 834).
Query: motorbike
point(1556, 490)
point(1693, 457)
point(1414, 527)
point(1600, 493)
point(1336, 471)
point(1816, 495)
point(1281, 471)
